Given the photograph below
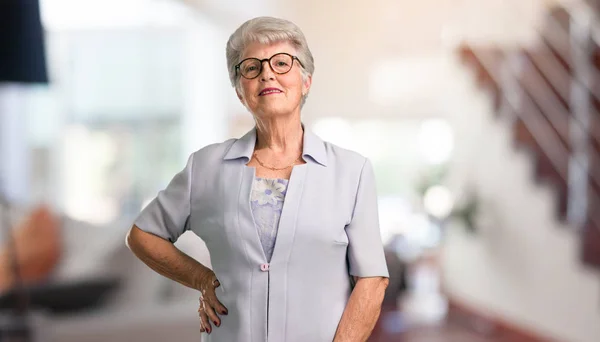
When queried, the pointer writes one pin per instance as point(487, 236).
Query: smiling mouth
point(269, 91)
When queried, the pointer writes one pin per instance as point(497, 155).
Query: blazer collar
point(314, 147)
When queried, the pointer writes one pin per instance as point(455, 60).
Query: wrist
point(202, 275)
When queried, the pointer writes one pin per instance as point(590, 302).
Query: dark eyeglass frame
point(262, 61)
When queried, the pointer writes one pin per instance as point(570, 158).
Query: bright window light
point(436, 141)
point(336, 130)
point(438, 201)
point(94, 14)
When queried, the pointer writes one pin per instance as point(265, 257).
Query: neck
point(279, 135)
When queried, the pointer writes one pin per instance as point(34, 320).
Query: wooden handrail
point(557, 73)
point(553, 70)
point(556, 151)
point(552, 108)
point(554, 41)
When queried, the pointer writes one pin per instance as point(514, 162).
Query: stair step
point(546, 82)
point(590, 241)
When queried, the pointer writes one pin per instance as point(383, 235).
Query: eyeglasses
point(280, 63)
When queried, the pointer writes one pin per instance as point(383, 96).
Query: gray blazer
point(328, 231)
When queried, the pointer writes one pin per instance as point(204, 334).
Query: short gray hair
point(267, 30)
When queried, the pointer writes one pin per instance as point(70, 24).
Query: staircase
point(550, 93)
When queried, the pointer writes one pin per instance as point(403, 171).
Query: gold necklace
point(274, 168)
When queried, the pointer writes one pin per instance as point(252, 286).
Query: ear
point(306, 85)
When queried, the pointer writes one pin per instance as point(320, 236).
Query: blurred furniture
point(36, 240)
point(145, 307)
point(17, 329)
point(69, 297)
point(99, 291)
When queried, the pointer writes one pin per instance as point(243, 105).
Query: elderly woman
point(290, 221)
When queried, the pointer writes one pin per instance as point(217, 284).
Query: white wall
point(352, 39)
point(206, 92)
point(523, 265)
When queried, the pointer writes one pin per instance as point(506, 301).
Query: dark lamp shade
point(22, 53)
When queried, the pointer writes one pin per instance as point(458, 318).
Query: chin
point(275, 111)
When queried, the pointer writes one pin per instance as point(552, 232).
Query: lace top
point(266, 200)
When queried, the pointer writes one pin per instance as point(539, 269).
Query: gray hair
point(267, 30)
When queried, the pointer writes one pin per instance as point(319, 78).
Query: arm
point(162, 221)
point(367, 264)
point(167, 260)
point(362, 310)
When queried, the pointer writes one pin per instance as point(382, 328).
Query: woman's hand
point(166, 259)
point(209, 304)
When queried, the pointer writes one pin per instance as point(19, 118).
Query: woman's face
point(271, 94)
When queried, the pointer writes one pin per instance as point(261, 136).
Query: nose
point(267, 73)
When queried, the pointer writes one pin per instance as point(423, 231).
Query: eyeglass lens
point(280, 63)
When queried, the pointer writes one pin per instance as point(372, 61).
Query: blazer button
point(264, 267)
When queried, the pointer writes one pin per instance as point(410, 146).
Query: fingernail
point(215, 322)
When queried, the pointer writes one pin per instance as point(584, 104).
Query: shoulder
point(211, 153)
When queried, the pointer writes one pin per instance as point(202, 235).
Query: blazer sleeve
point(365, 249)
point(167, 215)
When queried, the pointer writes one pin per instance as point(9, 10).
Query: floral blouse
point(266, 199)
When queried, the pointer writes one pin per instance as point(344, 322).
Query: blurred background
point(480, 117)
